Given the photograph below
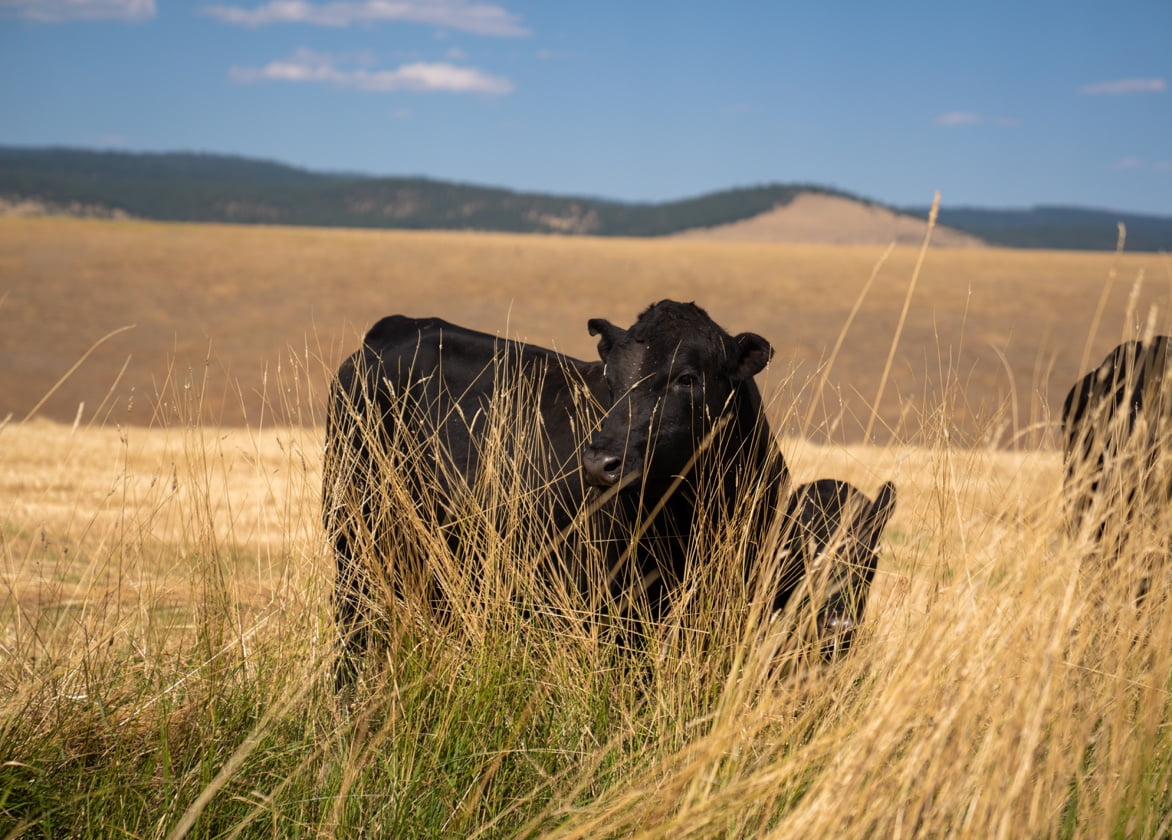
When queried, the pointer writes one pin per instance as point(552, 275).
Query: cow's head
point(671, 376)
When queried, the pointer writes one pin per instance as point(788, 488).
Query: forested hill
point(206, 188)
point(1059, 227)
point(221, 188)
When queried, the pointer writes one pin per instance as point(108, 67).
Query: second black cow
point(833, 544)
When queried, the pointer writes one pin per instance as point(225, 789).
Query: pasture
point(167, 320)
point(165, 631)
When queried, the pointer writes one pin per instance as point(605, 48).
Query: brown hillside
point(832, 220)
point(244, 323)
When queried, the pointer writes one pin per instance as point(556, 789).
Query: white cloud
point(956, 118)
point(1139, 163)
point(307, 66)
point(456, 54)
point(465, 15)
point(959, 118)
point(1124, 86)
point(60, 11)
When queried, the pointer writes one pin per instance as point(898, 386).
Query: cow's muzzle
point(602, 469)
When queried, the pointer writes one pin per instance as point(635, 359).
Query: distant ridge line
point(1057, 227)
point(210, 187)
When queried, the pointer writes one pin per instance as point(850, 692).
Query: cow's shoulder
point(1131, 361)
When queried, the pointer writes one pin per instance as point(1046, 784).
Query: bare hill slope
point(830, 219)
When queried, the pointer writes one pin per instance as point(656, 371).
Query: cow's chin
point(628, 482)
point(601, 482)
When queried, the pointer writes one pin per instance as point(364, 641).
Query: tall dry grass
point(168, 648)
point(167, 654)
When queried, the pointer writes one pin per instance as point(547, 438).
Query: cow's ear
point(753, 355)
point(869, 523)
point(608, 334)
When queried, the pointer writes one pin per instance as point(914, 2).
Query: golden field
point(165, 627)
point(237, 313)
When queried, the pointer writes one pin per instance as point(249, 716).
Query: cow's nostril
point(611, 466)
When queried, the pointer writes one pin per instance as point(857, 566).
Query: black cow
point(686, 433)
point(682, 447)
point(834, 540)
point(1116, 424)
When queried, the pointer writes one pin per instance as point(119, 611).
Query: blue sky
point(995, 104)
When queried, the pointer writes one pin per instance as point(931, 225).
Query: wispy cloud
point(1137, 162)
point(113, 141)
point(958, 118)
point(61, 11)
point(464, 15)
point(1125, 86)
point(307, 66)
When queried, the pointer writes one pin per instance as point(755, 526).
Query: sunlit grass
point(168, 668)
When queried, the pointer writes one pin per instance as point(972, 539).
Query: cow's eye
point(687, 380)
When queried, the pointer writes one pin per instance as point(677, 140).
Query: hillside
point(219, 188)
point(832, 220)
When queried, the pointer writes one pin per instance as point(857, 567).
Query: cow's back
point(1101, 409)
point(429, 383)
point(1116, 423)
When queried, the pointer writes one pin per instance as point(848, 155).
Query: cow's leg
point(351, 614)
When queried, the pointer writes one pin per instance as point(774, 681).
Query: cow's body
point(407, 422)
point(1117, 429)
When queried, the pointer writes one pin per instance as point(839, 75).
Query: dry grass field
point(165, 630)
point(229, 312)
